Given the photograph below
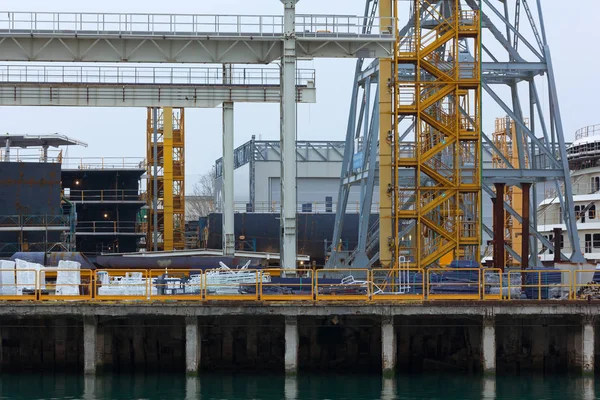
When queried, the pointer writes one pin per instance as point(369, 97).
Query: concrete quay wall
point(479, 337)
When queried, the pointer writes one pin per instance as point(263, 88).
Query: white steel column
point(228, 204)
point(588, 345)
point(488, 345)
point(288, 138)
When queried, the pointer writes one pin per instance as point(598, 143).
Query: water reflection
point(238, 386)
point(489, 388)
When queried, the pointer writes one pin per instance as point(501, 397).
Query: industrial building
point(318, 163)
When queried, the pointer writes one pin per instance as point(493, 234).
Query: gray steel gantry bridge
point(516, 63)
point(170, 38)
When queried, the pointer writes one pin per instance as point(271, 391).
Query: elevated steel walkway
point(177, 38)
point(128, 86)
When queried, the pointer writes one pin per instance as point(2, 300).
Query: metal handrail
point(398, 285)
point(108, 195)
point(103, 163)
point(188, 25)
point(126, 75)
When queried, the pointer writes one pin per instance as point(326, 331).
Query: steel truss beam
point(165, 38)
point(516, 63)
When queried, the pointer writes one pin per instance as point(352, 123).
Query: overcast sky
point(121, 132)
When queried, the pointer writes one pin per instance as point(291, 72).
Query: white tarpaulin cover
point(7, 278)
point(68, 278)
point(26, 275)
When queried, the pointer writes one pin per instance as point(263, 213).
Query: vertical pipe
point(155, 178)
point(499, 261)
point(228, 166)
point(526, 192)
point(557, 243)
point(45, 153)
point(288, 139)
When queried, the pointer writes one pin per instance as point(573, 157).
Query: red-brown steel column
point(499, 258)
point(525, 225)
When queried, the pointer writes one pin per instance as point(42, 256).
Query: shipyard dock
point(478, 337)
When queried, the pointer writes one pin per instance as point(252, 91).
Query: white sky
point(120, 132)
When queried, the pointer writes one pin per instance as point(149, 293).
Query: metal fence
point(348, 285)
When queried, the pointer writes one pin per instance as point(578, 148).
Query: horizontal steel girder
point(157, 38)
point(493, 73)
point(126, 86)
point(115, 95)
point(489, 175)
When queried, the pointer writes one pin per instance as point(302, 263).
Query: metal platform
point(126, 86)
point(176, 38)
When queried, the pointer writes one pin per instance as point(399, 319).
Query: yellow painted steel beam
point(168, 178)
point(387, 229)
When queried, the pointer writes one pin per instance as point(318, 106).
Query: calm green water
point(305, 387)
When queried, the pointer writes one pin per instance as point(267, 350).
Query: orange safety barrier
point(397, 284)
point(175, 284)
point(540, 284)
point(454, 284)
point(275, 291)
point(584, 286)
point(19, 284)
point(118, 284)
point(342, 284)
point(61, 284)
point(232, 284)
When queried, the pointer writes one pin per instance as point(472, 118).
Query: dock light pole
point(288, 138)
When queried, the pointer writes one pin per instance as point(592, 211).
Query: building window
point(588, 243)
point(596, 241)
point(592, 212)
point(595, 184)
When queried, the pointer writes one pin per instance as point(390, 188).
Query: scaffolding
point(166, 175)
point(438, 207)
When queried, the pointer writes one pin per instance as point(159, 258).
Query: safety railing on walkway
point(174, 284)
point(86, 163)
point(125, 75)
point(117, 284)
point(66, 284)
point(110, 195)
point(188, 25)
point(301, 288)
point(326, 285)
point(339, 284)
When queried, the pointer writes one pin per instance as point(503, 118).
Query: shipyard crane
point(426, 140)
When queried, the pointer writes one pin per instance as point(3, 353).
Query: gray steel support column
point(228, 187)
point(45, 153)
point(288, 138)
point(90, 331)
point(155, 177)
point(291, 345)
point(192, 345)
point(252, 182)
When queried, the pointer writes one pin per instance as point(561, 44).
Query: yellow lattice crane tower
point(167, 180)
point(436, 211)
